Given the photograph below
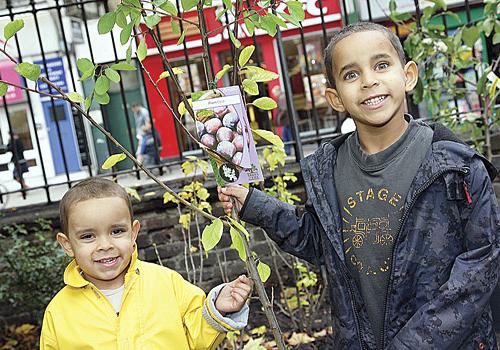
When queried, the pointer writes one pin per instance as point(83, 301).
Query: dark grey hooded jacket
point(445, 258)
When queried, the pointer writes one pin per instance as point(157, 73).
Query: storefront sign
point(8, 73)
point(56, 75)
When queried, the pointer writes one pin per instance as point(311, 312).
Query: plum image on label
point(222, 126)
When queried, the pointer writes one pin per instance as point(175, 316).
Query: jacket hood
point(73, 274)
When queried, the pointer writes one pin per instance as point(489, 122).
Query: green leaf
point(289, 18)
point(29, 70)
point(264, 271)
point(158, 2)
point(88, 102)
point(250, 87)
point(176, 29)
point(235, 41)
point(125, 33)
point(245, 55)
point(75, 97)
point(12, 28)
point(152, 21)
point(106, 23)
point(182, 108)
point(128, 55)
point(269, 137)
point(268, 24)
point(101, 85)
point(142, 50)
point(102, 99)
point(223, 71)
point(112, 160)
point(212, 234)
point(121, 19)
point(278, 20)
point(392, 5)
point(170, 8)
point(488, 25)
point(296, 10)
point(3, 89)
point(112, 75)
point(419, 91)
point(240, 227)
point(496, 38)
point(188, 4)
point(470, 35)
point(261, 75)
point(250, 26)
point(481, 84)
point(228, 4)
point(181, 39)
point(85, 65)
point(265, 103)
point(439, 4)
point(238, 244)
point(123, 66)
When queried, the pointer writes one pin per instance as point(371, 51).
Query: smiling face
point(370, 81)
point(101, 237)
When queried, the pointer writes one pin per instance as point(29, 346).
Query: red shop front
point(314, 27)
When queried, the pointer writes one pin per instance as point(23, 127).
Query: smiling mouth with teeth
point(375, 100)
point(107, 260)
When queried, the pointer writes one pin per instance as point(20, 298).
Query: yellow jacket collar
point(73, 274)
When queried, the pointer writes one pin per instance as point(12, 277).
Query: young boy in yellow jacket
point(112, 300)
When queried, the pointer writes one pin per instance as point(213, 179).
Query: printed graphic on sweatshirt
point(370, 223)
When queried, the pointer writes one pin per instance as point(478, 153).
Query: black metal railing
point(309, 125)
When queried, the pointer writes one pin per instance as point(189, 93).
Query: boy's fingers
point(240, 299)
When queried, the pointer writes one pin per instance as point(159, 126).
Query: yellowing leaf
point(185, 219)
point(260, 75)
point(300, 338)
point(250, 87)
point(202, 194)
point(112, 160)
point(270, 137)
point(166, 74)
point(132, 192)
point(142, 50)
point(75, 97)
point(168, 197)
point(223, 71)
point(212, 234)
point(187, 167)
point(245, 55)
point(264, 271)
point(265, 103)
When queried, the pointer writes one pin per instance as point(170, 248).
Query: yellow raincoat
point(159, 310)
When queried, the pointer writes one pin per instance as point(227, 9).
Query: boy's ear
point(411, 75)
point(136, 227)
point(333, 98)
point(65, 244)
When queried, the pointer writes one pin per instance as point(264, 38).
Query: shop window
point(20, 126)
point(323, 116)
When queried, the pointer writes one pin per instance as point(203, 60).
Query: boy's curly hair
point(356, 28)
point(94, 187)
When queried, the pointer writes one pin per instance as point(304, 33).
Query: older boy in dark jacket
point(402, 214)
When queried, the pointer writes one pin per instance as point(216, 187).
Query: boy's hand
point(234, 295)
point(239, 193)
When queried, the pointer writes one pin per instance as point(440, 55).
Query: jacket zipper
point(465, 171)
point(356, 315)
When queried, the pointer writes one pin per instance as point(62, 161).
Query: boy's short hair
point(136, 104)
point(94, 187)
point(356, 28)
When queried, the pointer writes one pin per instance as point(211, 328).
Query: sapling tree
point(445, 57)
point(137, 20)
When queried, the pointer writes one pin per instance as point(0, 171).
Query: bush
point(32, 268)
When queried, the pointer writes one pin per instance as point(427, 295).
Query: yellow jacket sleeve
point(47, 338)
point(200, 334)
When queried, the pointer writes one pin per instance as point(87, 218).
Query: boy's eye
point(382, 65)
point(350, 75)
point(117, 231)
point(86, 236)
